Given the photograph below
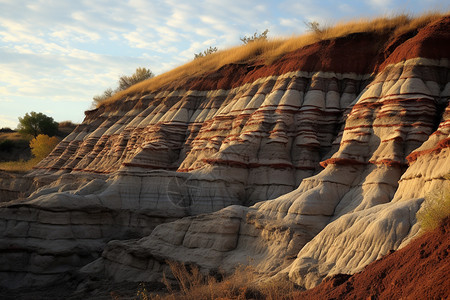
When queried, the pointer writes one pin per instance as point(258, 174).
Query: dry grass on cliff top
point(269, 51)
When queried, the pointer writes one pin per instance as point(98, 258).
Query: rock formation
point(311, 166)
point(417, 271)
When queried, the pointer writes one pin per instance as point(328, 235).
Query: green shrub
point(435, 208)
point(125, 82)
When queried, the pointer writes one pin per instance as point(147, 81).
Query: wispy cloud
point(59, 52)
point(8, 121)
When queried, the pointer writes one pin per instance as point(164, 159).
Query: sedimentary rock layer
point(356, 210)
point(336, 138)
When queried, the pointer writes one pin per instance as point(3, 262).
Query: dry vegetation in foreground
point(436, 207)
point(243, 284)
point(40, 146)
point(19, 166)
point(268, 51)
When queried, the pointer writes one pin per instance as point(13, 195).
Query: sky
point(55, 55)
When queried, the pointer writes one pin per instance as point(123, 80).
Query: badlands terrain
point(301, 161)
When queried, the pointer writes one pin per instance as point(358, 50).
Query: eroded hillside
point(313, 165)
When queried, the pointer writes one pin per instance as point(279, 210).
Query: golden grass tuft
point(19, 166)
point(436, 207)
point(267, 51)
point(242, 284)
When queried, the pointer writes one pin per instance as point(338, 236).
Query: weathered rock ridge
point(312, 166)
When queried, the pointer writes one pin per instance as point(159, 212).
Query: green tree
point(255, 37)
point(141, 74)
point(37, 123)
point(42, 145)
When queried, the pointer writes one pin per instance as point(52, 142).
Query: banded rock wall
point(261, 141)
point(157, 157)
point(353, 212)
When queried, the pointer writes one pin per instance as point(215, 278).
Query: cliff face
point(346, 136)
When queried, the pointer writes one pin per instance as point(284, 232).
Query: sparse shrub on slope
point(242, 284)
point(206, 52)
point(435, 208)
point(255, 37)
point(316, 29)
point(108, 93)
point(314, 26)
point(124, 83)
point(141, 74)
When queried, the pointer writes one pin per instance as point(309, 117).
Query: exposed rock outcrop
point(345, 143)
point(350, 214)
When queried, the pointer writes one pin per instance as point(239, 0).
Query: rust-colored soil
point(360, 53)
point(429, 42)
point(421, 270)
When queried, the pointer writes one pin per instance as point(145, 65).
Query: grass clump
point(435, 208)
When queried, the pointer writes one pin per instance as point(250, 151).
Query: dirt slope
point(421, 270)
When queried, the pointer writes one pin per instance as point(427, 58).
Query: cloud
point(61, 52)
point(8, 121)
point(293, 22)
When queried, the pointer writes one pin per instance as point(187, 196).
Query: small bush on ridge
point(435, 208)
point(256, 37)
point(206, 52)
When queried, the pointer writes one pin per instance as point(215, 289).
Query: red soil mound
point(360, 53)
point(420, 270)
point(429, 42)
